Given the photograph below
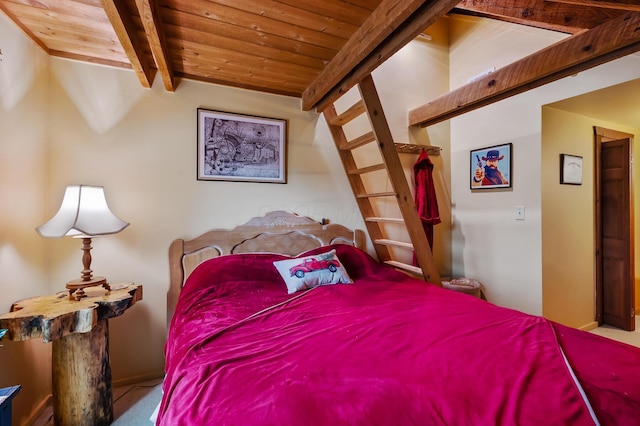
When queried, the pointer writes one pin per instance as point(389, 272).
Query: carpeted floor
point(629, 337)
point(133, 405)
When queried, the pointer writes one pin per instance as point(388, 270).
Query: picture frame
point(570, 169)
point(238, 147)
point(491, 167)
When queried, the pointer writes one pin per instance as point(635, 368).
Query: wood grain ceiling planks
point(314, 50)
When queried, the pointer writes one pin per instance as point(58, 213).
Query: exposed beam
point(552, 15)
point(150, 15)
point(381, 24)
point(631, 5)
point(412, 27)
point(609, 41)
point(124, 27)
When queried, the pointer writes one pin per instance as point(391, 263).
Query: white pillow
point(302, 273)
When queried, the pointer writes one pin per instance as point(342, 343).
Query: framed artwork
point(236, 147)
point(491, 167)
point(570, 169)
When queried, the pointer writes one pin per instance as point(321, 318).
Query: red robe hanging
point(425, 195)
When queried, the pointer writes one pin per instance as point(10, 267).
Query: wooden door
point(616, 301)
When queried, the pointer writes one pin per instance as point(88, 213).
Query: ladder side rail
point(398, 179)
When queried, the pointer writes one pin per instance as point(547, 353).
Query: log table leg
point(82, 393)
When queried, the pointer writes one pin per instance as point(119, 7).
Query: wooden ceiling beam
point(423, 18)
point(614, 39)
point(125, 29)
point(153, 27)
point(551, 15)
point(628, 5)
point(345, 68)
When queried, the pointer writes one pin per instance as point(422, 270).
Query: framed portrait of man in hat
point(491, 167)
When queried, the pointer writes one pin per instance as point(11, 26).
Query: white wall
point(23, 174)
point(487, 243)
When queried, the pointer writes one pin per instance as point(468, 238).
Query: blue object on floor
point(6, 396)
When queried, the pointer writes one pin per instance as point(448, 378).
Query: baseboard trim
point(37, 412)
point(47, 402)
point(154, 375)
point(590, 326)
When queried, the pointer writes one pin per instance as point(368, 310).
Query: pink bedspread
point(386, 350)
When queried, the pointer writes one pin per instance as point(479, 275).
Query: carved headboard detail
point(275, 232)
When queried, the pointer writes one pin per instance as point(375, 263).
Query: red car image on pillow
point(310, 265)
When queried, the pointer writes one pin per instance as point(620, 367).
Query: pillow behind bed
point(307, 272)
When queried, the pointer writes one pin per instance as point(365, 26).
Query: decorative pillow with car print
point(311, 271)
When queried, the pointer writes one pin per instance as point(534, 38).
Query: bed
point(249, 343)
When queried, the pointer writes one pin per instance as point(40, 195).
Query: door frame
point(601, 136)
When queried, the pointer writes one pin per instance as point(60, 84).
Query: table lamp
point(83, 214)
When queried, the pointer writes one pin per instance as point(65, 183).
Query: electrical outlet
point(519, 212)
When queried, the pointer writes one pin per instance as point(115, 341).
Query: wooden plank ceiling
point(311, 49)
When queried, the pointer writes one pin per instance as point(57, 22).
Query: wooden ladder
point(383, 231)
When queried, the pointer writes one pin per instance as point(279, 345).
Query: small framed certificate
point(570, 169)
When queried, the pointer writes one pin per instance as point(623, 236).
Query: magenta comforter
point(386, 350)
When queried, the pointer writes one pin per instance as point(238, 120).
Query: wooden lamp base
point(87, 279)
point(76, 286)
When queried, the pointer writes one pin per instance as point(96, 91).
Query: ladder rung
point(410, 268)
point(359, 141)
point(376, 194)
point(387, 242)
point(353, 111)
point(384, 219)
point(368, 169)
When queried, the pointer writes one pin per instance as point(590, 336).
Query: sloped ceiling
point(310, 49)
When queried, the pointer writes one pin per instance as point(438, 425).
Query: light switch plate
point(519, 212)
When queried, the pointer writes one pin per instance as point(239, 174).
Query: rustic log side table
point(79, 330)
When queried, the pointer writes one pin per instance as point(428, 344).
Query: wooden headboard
point(275, 232)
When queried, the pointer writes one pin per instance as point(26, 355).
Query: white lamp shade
point(84, 212)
